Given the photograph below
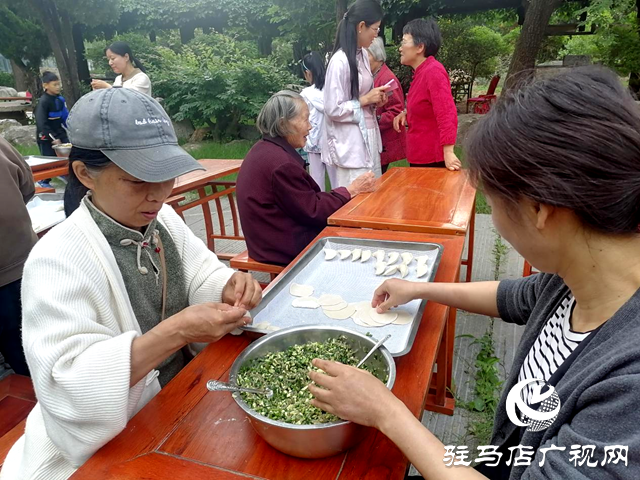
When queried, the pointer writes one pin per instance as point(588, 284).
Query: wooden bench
point(244, 263)
point(17, 399)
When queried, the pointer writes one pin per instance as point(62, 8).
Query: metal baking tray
point(353, 281)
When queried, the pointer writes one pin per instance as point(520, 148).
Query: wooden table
point(423, 200)
point(187, 433)
point(56, 167)
point(17, 399)
point(198, 181)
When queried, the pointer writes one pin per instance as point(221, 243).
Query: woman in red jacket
point(431, 115)
point(393, 143)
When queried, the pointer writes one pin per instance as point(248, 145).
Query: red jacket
point(281, 206)
point(432, 117)
point(393, 143)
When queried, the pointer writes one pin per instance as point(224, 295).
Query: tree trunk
point(265, 45)
point(27, 80)
point(341, 9)
point(634, 78)
point(81, 60)
point(523, 62)
point(50, 18)
point(152, 36)
point(187, 33)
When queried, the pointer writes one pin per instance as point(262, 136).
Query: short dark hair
point(572, 141)
point(49, 77)
point(425, 32)
point(315, 64)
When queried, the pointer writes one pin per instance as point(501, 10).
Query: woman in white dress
point(314, 73)
point(351, 140)
point(131, 73)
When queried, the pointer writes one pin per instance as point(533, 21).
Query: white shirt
point(315, 101)
point(140, 82)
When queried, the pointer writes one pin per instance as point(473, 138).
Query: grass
point(26, 150)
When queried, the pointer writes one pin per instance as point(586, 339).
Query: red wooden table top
point(422, 200)
point(185, 432)
point(214, 169)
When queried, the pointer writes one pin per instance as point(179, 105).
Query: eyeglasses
point(406, 44)
point(377, 29)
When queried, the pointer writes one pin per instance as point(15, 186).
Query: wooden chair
point(482, 104)
point(244, 263)
point(228, 189)
point(17, 399)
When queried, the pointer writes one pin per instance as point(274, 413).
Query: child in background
point(314, 71)
point(51, 118)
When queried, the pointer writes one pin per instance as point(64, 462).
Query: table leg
point(527, 270)
point(440, 399)
point(472, 236)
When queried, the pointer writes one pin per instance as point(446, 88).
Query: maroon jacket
point(431, 113)
point(281, 207)
point(393, 143)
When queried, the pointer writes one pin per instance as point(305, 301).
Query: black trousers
point(10, 328)
point(428, 165)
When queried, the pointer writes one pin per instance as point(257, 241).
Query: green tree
point(24, 44)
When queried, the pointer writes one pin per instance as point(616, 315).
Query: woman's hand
point(392, 293)
point(383, 102)
point(400, 121)
point(451, 160)
point(365, 183)
point(209, 322)
point(351, 394)
point(242, 290)
point(98, 84)
point(374, 96)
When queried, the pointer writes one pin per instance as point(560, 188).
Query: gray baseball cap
point(133, 131)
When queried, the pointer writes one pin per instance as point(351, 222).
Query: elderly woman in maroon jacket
point(281, 207)
point(393, 143)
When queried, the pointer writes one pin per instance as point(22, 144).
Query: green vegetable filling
point(286, 373)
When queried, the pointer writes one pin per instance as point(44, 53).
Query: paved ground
point(449, 429)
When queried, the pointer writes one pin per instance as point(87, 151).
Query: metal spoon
point(375, 347)
point(216, 386)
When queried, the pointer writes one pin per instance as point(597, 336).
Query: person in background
point(51, 117)
point(16, 240)
point(393, 143)
point(351, 139)
point(544, 156)
point(431, 114)
point(131, 73)
point(281, 207)
point(314, 73)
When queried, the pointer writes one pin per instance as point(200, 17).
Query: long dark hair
point(367, 11)
point(122, 49)
point(547, 144)
point(315, 64)
point(75, 191)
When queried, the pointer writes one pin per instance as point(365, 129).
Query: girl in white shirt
point(131, 73)
point(314, 71)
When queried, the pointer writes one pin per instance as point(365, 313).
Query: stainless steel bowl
point(63, 150)
point(309, 441)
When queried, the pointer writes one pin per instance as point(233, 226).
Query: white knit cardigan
point(78, 325)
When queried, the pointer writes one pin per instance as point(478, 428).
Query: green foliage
point(217, 79)
point(6, 80)
point(22, 38)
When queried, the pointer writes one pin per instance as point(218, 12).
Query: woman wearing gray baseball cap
point(117, 297)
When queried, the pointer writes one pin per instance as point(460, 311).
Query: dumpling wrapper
point(358, 321)
point(300, 290)
point(404, 270)
point(338, 306)
point(328, 299)
point(382, 319)
point(391, 270)
point(422, 270)
point(355, 255)
point(393, 258)
point(423, 260)
point(361, 317)
point(340, 314)
point(403, 318)
point(407, 258)
point(366, 255)
point(330, 254)
point(379, 255)
point(305, 302)
point(344, 254)
point(361, 305)
point(380, 268)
